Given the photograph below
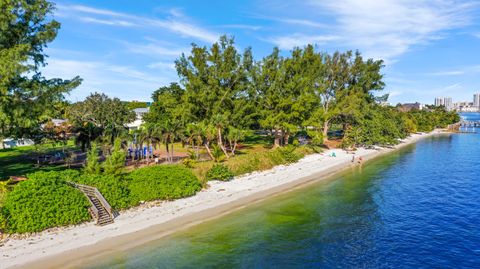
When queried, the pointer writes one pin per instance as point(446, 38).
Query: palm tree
point(150, 134)
point(194, 137)
point(171, 130)
point(220, 122)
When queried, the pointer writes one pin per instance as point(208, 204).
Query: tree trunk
point(278, 138)
point(285, 138)
point(197, 150)
point(325, 130)
point(220, 143)
point(167, 154)
point(171, 151)
point(207, 147)
point(234, 148)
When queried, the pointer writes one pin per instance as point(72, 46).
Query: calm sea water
point(416, 208)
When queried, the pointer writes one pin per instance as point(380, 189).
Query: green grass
point(20, 161)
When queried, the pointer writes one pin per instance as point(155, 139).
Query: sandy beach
point(71, 246)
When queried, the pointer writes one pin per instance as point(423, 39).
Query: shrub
point(288, 154)
point(66, 175)
point(3, 221)
point(163, 182)
point(219, 172)
point(114, 189)
point(43, 202)
point(217, 153)
point(93, 165)
point(189, 163)
point(115, 162)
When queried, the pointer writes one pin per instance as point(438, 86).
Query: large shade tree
point(216, 82)
point(99, 116)
point(26, 97)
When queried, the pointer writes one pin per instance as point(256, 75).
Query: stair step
point(103, 216)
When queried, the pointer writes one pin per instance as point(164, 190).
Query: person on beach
point(360, 160)
point(353, 158)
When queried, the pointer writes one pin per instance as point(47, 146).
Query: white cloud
point(296, 40)
point(385, 29)
point(128, 83)
point(242, 26)
point(161, 65)
point(451, 87)
point(155, 49)
point(448, 73)
point(466, 70)
point(108, 22)
point(308, 23)
point(177, 23)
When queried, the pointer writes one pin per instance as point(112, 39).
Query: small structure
point(100, 209)
point(139, 112)
point(11, 143)
point(409, 106)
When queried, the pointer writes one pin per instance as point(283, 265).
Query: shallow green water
point(416, 208)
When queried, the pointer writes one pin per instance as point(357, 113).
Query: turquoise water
point(416, 208)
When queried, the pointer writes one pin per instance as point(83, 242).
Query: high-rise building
point(438, 101)
point(447, 102)
point(476, 100)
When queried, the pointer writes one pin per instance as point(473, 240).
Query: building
point(410, 106)
point(476, 100)
point(438, 101)
point(139, 112)
point(11, 143)
point(465, 107)
point(447, 102)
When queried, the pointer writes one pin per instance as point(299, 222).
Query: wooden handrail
point(98, 195)
point(104, 202)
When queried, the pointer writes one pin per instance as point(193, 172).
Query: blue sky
point(127, 49)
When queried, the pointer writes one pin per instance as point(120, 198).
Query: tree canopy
point(26, 97)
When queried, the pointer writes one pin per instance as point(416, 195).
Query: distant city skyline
point(460, 105)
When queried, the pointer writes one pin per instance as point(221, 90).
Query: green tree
point(115, 162)
point(100, 116)
point(168, 115)
point(284, 91)
point(27, 97)
point(344, 85)
point(216, 80)
point(92, 165)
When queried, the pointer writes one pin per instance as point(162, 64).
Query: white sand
point(18, 252)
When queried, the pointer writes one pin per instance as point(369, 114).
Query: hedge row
point(44, 201)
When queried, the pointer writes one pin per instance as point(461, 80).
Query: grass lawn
point(20, 161)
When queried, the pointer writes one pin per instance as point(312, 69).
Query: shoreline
point(73, 246)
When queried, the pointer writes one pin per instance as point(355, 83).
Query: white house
point(11, 143)
point(139, 112)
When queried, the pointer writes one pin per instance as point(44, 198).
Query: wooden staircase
point(100, 210)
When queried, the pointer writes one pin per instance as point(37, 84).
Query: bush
point(66, 175)
point(3, 221)
point(115, 162)
point(163, 182)
point(189, 163)
point(93, 165)
point(219, 172)
point(114, 189)
point(44, 201)
point(288, 154)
